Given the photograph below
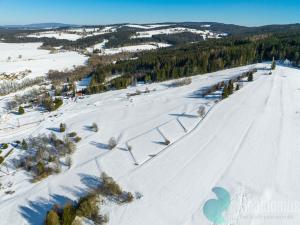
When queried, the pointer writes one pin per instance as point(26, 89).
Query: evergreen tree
point(21, 110)
point(62, 127)
point(250, 77)
point(230, 87)
point(69, 214)
point(52, 218)
point(225, 92)
point(24, 145)
point(273, 66)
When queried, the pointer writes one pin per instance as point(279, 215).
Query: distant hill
point(38, 26)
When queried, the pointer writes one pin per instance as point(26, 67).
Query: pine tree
point(24, 145)
point(62, 127)
point(230, 87)
point(69, 214)
point(250, 77)
point(225, 92)
point(273, 66)
point(52, 218)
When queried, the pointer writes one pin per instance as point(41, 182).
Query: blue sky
point(251, 13)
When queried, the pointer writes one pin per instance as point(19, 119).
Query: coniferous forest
point(199, 58)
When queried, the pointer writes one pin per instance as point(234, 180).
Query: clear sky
point(251, 12)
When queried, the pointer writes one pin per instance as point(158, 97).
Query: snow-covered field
point(131, 48)
point(16, 58)
point(247, 144)
point(205, 33)
point(74, 33)
point(147, 27)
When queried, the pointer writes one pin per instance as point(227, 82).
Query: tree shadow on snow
point(90, 181)
point(204, 93)
point(99, 145)
point(159, 143)
point(54, 129)
point(35, 211)
point(183, 115)
point(88, 128)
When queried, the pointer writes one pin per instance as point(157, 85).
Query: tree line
point(199, 58)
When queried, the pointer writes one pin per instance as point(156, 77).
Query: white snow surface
point(247, 143)
point(205, 33)
point(74, 33)
point(37, 60)
point(56, 35)
point(148, 26)
point(130, 48)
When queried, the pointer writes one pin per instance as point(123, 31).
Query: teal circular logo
point(214, 209)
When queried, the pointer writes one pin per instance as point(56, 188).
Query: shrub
point(129, 197)
point(94, 127)
point(70, 147)
point(138, 195)
point(112, 143)
point(1, 159)
point(4, 146)
point(109, 186)
point(68, 161)
point(167, 142)
point(24, 145)
point(72, 134)
point(21, 110)
point(88, 206)
point(230, 87)
point(273, 66)
point(182, 82)
point(40, 168)
point(57, 103)
point(69, 214)
point(201, 111)
point(225, 92)
point(77, 139)
point(62, 127)
point(250, 77)
point(52, 218)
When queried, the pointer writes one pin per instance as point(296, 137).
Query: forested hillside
point(199, 58)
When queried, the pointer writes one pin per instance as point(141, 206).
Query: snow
point(247, 143)
point(37, 60)
point(131, 48)
point(176, 30)
point(56, 35)
point(73, 34)
point(148, 26)
point(135, 48)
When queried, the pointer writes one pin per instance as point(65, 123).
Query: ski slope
point(247, 144)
